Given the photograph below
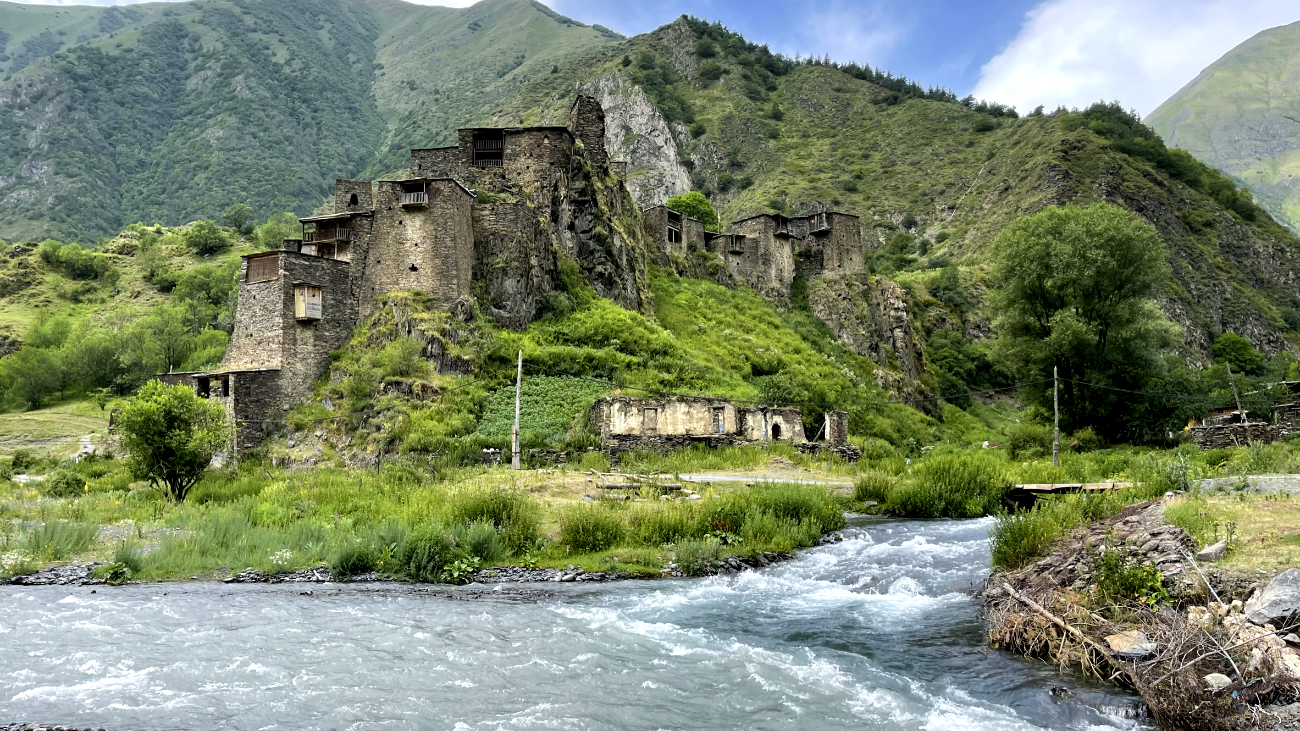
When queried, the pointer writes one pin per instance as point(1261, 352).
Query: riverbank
point(486, 525)
point(1134, 598)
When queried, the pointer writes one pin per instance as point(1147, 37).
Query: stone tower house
point(483, 219)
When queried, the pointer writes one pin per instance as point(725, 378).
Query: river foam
point(875, 631)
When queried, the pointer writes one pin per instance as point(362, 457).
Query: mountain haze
point(1242, 115)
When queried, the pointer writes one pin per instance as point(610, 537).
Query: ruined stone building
point(766, 252)
point(486, 219)
point(660, 424)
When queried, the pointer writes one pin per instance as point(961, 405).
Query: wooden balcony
point(417, 198)
point(329, 235)
point(819, 223)
point(488, 162)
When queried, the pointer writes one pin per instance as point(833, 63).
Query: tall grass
point(55, 540)
point(953, 486)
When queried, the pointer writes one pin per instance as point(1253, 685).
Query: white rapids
point(875, 632)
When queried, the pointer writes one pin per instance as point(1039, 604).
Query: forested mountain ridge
point(187, 108)
point(1242, 115)
point(935, 179)
point(194, 106)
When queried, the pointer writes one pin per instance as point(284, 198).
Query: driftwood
point(1074, 631)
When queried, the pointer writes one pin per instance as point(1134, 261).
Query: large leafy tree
point(695, 205)
point(170, 434)
point(1077, 293)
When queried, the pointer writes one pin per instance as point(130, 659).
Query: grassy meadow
point(411, 521)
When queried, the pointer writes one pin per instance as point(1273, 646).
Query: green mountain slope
point(1242, 115)
point(192, 107)
point(933, 180)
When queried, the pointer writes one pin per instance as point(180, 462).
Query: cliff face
point(872, 317)
point(635, 133)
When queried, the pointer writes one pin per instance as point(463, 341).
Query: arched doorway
point(776, 431)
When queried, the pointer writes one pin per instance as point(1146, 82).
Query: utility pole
point(519, 386)
point(1233, 382)
point(1056, 418)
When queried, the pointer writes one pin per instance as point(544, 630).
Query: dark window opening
point(674, 227)
point(489, 149)
point(414, 268)
point(776, 431)
point(353, 200)
point(719, 419)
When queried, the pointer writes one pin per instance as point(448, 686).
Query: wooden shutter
point(264, 268)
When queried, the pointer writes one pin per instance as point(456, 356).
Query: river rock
point(1131, 644)
point(1276, 603)
point(1215, 682)
point(1213, 553)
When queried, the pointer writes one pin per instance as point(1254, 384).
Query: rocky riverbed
point(1215, 651)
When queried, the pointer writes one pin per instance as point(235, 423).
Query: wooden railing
point(819, 222)
point(489, 144)
point(488, 162)
point(316, 237)
point(419, 197)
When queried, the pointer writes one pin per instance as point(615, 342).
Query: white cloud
point(1076, 52)
point(860, 31)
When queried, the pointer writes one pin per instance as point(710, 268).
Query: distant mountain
point(172, 111)
point(1242, 115)
point(169, 112)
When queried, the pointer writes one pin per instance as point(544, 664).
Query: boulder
point(1278, 602)
point(1213, 553)
point(1131, 644)
point(1215, 682)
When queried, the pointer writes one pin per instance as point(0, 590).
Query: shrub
point(480, 541)
point(352, 559)
point(1020, 536)
point(953, 486)
point(64, 482)
point(873, 485)
point(22, 460)
point(1085, 440)
point(511, 513)
point(590, 528)
point(1120, 578)
point(696, 557)
point(205, 238)
point(765, 528)
point(1027, 440)
point(426, 553)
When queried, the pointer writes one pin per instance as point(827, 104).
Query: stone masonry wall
point(344, 189)
point(514, 267)
point(256, 405)
point(308, 343)
point(767, 264)
point(427, 249)
point(587, 120)
point(842, 247)
point(258, 337)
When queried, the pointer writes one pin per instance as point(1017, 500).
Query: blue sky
point(1018, 52)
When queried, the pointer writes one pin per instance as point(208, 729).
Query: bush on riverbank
point(952, 486)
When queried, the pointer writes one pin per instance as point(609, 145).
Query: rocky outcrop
point(1278, 603)
point(637, 134)
point(871, 317)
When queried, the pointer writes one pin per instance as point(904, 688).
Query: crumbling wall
point(763, 424)
point(766, 264)
point(587, 120)
point(1239, 435)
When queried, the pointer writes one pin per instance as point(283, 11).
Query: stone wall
point(837, 428)
point(1238, 435)
point(346, 190)
point(256, 406)
point(781, 425)
point(674, 416)
point(428, 249)
point(531, 159)
point(842, 246)
point(655, 222)
point(587, 120)
point(258, 337)
point(766, 264)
